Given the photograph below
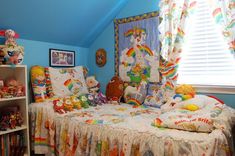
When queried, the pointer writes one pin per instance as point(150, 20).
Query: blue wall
point(37, 53)
point(106, 41)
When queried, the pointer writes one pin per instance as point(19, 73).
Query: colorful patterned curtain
point(223, 12)
point(174, 15)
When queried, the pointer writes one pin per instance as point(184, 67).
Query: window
point(205, 59)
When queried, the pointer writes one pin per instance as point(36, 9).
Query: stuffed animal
point(59, 106)
point(85, 101)
point(76, 102)
point(114, 90)
point(38, 80)
point(92, 84)
point(10, 36)
point(136, 95)
point(68, 106)
point(187, 91)
point(13, 53)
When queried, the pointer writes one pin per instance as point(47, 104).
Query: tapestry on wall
point(137, 48)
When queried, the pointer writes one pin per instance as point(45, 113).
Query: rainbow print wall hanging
point(137, 48)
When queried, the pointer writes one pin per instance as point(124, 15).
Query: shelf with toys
point(14, 130)
point(12, 99)
point(18, 128)
point(14, 105)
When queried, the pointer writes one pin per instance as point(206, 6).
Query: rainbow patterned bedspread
point(112, 130)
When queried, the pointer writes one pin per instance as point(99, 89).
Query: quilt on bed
point(116, 130)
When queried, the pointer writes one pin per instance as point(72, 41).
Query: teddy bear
point(114, 90)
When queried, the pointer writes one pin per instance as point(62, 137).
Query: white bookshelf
point(19, 72)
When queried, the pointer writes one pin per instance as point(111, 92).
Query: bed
point(113, 130)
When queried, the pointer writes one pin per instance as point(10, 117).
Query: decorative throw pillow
point(154, 95)
point(38, 80)
point(68, 81)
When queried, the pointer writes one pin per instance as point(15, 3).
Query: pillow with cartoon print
point(67, 81)
point(154, 95)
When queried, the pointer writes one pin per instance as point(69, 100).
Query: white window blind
point(205, 59)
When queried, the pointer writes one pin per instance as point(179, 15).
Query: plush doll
point(68, 106)
point(92, 84)
point(59, 106)
point(85, 101)
point(76, 102)
point(10, 36)
point(13, 53)
point(136, 95)
point(38, 80)
point(114, 90)
point(185, 92)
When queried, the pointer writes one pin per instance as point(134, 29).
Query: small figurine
point(12, 121)
point(20, 91)
point(19, 118)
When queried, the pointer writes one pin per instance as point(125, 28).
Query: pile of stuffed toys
point(10, 117)
point(70, 103)
point(12, 88)
point(11, 52)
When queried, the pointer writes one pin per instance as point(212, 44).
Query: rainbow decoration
point(131, 51)
point(170, 71)
point(168, 38)
point(94, 122)
point(180, 34)
point(133, 102)
point(217, 14)
point(169, 85)
point(157, 122)
point(69, 84)
point(232, 24)
point(183, 97)
point(135, 30)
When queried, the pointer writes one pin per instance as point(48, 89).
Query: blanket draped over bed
point(112, 130)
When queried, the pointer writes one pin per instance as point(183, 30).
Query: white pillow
point(68, 81)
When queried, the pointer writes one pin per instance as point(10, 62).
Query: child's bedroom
point(117, 78)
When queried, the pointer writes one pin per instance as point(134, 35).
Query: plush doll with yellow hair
point(38, 80)
point(182, 99)
point(185, 92)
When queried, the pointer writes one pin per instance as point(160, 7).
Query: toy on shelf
point(12, 88)
point(10, 36)
point(13, 53)
point(10, 117)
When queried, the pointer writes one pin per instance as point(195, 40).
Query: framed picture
point(61, 58)
point(137, 48)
